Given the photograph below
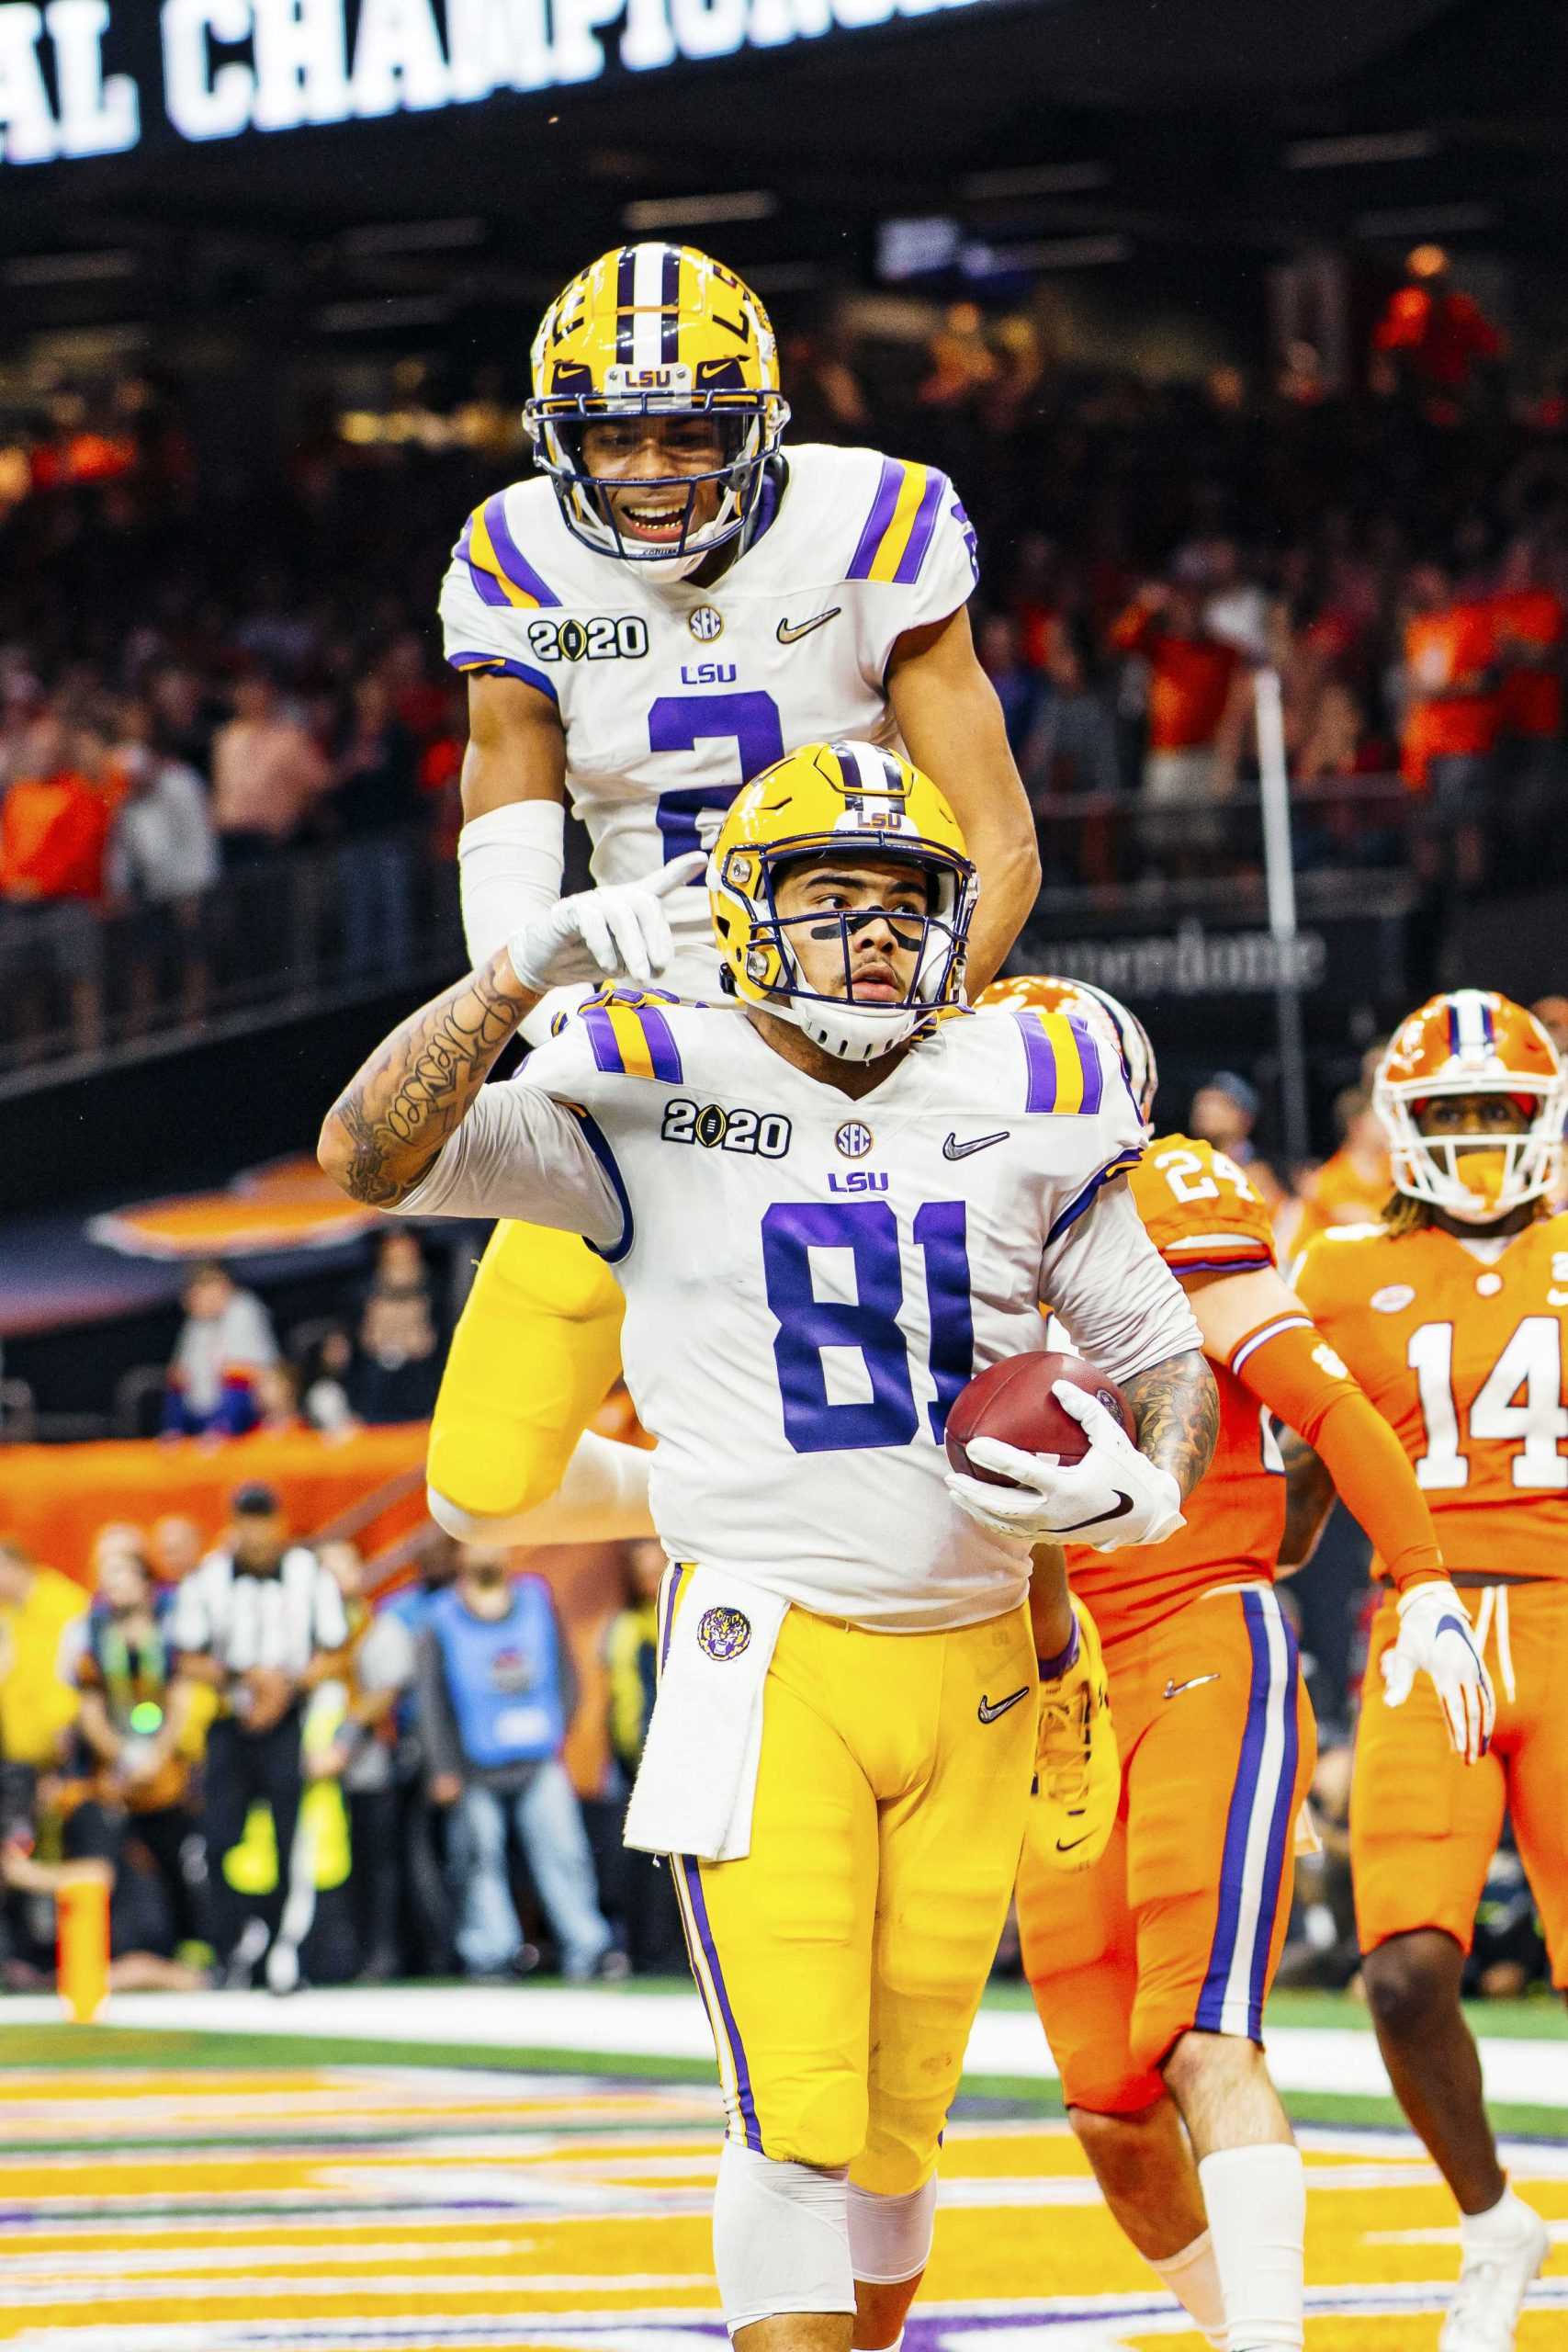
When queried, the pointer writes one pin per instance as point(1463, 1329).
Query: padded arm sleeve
point(1289, 1367)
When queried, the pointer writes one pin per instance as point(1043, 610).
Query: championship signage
point(92, 77)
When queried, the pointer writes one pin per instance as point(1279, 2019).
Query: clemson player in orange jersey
point(1150, 1969)
point(1454, 1313)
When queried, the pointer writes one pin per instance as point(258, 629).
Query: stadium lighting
point(1375, 147)
point(651, 214)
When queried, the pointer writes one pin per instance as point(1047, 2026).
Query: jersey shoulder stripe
point(469, 660)
point(632, 1040)
point(1063, 1071)
point(500, 571)
point(899, 530)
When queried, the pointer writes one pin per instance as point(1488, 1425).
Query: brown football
point(1012, 1401)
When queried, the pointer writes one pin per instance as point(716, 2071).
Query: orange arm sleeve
point(1289, 1367)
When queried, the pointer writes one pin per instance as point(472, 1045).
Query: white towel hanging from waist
point(697, 1782)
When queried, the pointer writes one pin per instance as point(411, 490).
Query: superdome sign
point(77, 76)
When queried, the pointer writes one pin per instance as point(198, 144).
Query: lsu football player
point(673, 600)
point(825, 1204)
point(1150, 1974)
point(1452, 1313)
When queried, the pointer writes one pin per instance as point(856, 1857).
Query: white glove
point(623, 928)
point(1434, 1638)
point(1114, 1496)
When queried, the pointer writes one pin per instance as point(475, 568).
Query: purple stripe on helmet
point(513, 562)
point(497, 665)
point(1094, 1068)
point(669, 295)
point(890, 482)
point(1453, 1025)
point(1278, 1830)
point(1487, 1029)
point(692, 1871)
point(625, 271)
point(914, 555)
point(1041, 1061)
point(1243, 1796)
point(848, 762)
point(603, 1038)
point(661, 1048)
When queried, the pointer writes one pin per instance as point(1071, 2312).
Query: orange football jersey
point(1463, 1355)
point(1203, 1217)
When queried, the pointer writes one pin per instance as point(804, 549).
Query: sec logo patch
point(723, 1633)
point(706, 622)
point(855, 1139)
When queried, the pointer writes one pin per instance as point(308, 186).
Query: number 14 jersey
point(1462, 1352)
point(672, 695)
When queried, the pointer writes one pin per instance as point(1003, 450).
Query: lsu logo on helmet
point(657, 331)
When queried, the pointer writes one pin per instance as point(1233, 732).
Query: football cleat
point(1493, 2284)
point(839, 800)
point(664, 336)
point(1078, 1764)
point(1473, 1041)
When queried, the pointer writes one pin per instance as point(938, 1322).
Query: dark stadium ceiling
point(1174, 127)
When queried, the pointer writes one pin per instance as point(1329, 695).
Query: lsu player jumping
point(1453, 1313)
point(825, 1208)
point(674, 600)
point(1150, 1972)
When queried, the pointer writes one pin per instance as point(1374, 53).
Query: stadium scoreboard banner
point(97, 77)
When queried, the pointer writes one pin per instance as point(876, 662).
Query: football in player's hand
point(1012, 1401)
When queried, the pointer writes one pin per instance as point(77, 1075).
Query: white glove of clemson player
point(1114, 1496)
point(623, 928)
point(1434, 1638)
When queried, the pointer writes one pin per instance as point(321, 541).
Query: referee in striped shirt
point(262, 1622)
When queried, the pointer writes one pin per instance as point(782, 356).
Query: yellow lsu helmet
point(830, 801)
point(657, 329)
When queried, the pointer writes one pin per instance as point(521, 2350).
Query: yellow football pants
point(843, 1960)
point(535, 1351)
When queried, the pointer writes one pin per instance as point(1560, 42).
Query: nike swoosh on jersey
point(1174, 1689)
point(789, 631)
point(954, 1150)
point(987, 1713)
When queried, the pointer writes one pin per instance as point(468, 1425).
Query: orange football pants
point(1181, 1921)
point(1423, 1826)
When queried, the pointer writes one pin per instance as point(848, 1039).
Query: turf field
point(349, 2171)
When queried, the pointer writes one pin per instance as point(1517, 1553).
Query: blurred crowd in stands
point(198, 672)
point(286, 1782)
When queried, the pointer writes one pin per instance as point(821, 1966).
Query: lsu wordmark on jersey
point(672, 695)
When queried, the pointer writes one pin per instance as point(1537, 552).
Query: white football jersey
point(673, 696)
point(810, 1281)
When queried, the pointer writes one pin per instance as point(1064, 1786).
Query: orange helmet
point(1045, 992)
point(1473, 1041)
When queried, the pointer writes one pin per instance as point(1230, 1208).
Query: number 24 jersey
point(811, 1280)
point(672, 695)
point(1463, 1354)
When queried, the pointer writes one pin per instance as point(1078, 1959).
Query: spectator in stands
point(1224, 1113)
point(496, 1695)
point(223, 1342)
point(136, 1811)
point(276, 1388)
point(376, 804)
point(162, 857)
point(325, 1376)
point(1196, 700)
point(262, 1623)
point(1531, 622)
point(1449, 684)
point(652, 1920)
point(54, 829)
point(1017, 687)
point(427, 1903)
point(176, 1547)
point(184, 714)
point(269, 773)
point(379, 1663)
point(397, 1366)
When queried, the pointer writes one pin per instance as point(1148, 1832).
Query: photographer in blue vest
point(496, 1693)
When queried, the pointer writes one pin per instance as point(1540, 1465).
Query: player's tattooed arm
point(1309, 1497)
point(384, 1133)
point(1177, 1409)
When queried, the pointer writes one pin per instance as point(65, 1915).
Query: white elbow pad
point(510, 863)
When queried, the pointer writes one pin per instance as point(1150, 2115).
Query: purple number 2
point(679, 722)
